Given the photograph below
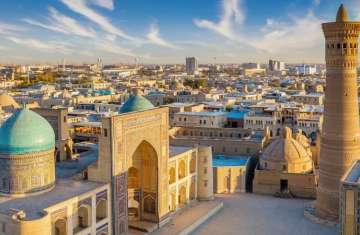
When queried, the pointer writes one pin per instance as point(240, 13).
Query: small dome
point(342, 14)
point(26, 132)
point(286, 154)
point(302, 139)
point(7, 100)
point(136, 103)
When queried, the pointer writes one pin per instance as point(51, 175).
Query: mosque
point(286, 167)
point(132, 175)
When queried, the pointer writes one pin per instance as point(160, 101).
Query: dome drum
point(24, 174)
point(27, 146)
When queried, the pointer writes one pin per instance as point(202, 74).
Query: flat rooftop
point(68, 169)
point(203, 113)
point(176, 150)
point(353, 175)
point(33, 206)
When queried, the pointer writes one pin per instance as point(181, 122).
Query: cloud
point(155, 38)
point(299, 33)
point(63, 24)
point(231, 15)
point(316, 2)
point(10, 29)
point(81, 7)
point(356, 9)
point(196, 43)
point(108, 4)
point(45, 46)
point(274, 37)
point(2, 48)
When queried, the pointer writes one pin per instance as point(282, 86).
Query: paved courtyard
point(251, 214)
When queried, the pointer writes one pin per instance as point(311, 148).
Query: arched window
point(182, 195)
point(182, 169)
point(149, 205)
point(172, 175)
point(84, 216)
point(60, 227)
point(192, 165)
point(101, 209)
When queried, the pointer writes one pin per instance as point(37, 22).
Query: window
point(105, 132)
point(344, 45)
point(3, 227)
point(284, 167)
point(205, 183)
point(205, 170)
point(4, 183)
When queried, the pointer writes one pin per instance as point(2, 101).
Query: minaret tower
point(340, 141)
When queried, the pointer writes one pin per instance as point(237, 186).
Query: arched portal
point(60, 227)
point(143, 183)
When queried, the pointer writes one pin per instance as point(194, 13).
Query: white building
point(305, 69)
point(200, 119)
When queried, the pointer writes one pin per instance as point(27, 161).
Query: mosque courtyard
point(252, 214)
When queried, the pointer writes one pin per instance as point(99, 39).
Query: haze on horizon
point(118, 31)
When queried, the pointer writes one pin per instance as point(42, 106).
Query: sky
point(165, 31)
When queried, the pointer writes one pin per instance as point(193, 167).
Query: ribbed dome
point(136, 103)
point(287, 155)
point(7, 100)
point(26, 132)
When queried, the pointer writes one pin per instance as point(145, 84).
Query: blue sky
point(165, 31)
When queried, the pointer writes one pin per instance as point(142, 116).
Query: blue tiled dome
point(26, 132)
point(136, 103)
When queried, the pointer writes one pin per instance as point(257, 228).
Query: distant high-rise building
point(99, 64)
point(306, 69)
point(191, 65)
point(250, 66)
point(275, 65)
point(340, 140)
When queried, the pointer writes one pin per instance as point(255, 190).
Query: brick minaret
point(340, 142)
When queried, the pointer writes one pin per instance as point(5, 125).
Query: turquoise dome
point(136, 103)
point(26, 132)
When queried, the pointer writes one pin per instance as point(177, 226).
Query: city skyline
point(222, 31)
